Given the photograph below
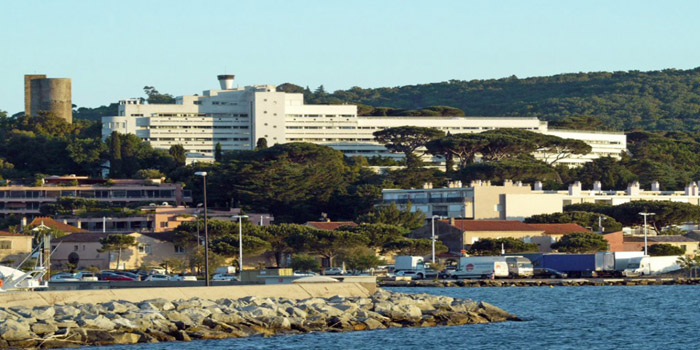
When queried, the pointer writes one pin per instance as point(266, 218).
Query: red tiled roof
point(491, 225)
point(47, 221)
point(560, 229)
point(5, 233)
point(330, 226)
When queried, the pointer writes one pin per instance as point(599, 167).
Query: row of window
point(320, 115)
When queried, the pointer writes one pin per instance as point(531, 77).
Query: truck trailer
point(481, 267)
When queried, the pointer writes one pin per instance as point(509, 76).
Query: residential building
point(14, 247)
point(151, 249)
point(159, 218)
point(626, 243)
point(516, 201)
point(27, 200)
point(236, 118)
point(56, 225)
point(460, 234)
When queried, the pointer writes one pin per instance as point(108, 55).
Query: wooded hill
point(667, 100)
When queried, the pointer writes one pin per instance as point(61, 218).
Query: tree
point(463, 146)
point(218, 153)
point(179, 154)
point(361, 259)
point(688, 263)
point(150, 174)
point(556, 148)
point(583, 218)
point(261, 143)
point(666, 213)
point(489, 246)
point(117, 242)
point(303, 262)
point(581, 243)
point(501, 144)
point(663, 249)
point(392, 215)
point(414, 247)
point(377, 234)
point(278, 238)
point(287, 181)
point(227, 245)
point(328, 244)
point(155, 97)
point(407, 139)
point(673, 231)
point(115, 154)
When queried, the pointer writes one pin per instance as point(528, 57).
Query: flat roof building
point(237, 117)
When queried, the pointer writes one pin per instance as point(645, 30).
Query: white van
point(481, 267)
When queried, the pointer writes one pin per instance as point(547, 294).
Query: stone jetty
point(160, 320)
point(541, 282)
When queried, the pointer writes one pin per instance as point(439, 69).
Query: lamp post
point(203, 174)
point(263, 217)
point(432, 219)
point(240, 242)
point(645, 214)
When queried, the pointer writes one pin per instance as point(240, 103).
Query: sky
point(112, 49)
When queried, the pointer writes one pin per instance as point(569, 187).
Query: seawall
point(134, 295)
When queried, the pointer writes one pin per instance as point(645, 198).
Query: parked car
point(181, 277)
point(548, 273)
point(134, 276)
point(157, 277)
point(86, 276)
point(111, 276)
point(224, 277)
point(305, 273)
point(63, 277)
point(334, 271)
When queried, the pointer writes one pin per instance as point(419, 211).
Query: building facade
point(236, 118)
point(516, 201)
point(14, 247)
point(27, 200)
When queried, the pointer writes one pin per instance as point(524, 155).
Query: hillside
point(656, 100)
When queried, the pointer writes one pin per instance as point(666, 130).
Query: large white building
point(237, 117)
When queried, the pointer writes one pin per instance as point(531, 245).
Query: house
point(636, 243)
point(553, 233)
point(329, 225)
point(14, 247)
point(151, 250)
point(460, 234)
point(56, 225)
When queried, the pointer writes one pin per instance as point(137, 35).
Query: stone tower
point(48, 94)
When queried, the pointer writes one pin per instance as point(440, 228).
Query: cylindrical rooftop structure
point(226, 81)
point(52, 95)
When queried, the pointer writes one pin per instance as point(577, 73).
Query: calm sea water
point(635, 317)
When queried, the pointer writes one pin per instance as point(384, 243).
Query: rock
point(493, 313)
point(259, 311)
point(44, 328)
point(227, 318)
point(156, 304)
point(126, 338)
point(182, 336)
point(99, 337)
point(162, 336)
point(25, 343)
point(174, 316)
point(119, 307)
point(372, 324)
point(124, 323)
point(66, 324)
point(296, 312)
point(96, 322)
point(196, 315)
point(12, 330)
point(65, 312)
point(278, 322)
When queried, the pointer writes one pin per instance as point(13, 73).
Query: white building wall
point(237, 118)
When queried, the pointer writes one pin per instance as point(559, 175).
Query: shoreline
point(160, 320)
point(578, 282)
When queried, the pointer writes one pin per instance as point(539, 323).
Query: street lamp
point(263, 217)
point(240, 242)
point(645, 214)
point(203, 174)
point(433, 236)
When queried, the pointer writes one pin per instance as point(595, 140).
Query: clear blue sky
point(111, 49)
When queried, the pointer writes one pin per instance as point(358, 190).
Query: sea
point(595, 317)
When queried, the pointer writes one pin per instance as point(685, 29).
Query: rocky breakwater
point(159, 320)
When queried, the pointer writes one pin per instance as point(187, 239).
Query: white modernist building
point(237, 117)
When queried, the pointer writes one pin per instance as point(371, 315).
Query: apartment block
point(236, 118)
